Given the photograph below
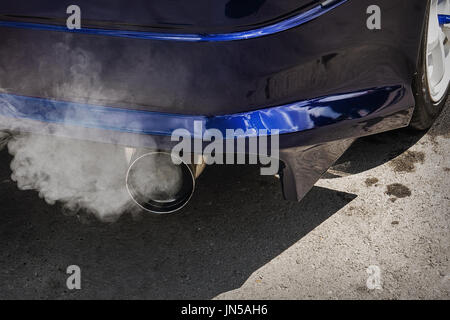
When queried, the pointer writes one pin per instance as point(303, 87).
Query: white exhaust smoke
point(82, 175)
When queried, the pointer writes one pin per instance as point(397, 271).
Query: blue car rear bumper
point(290, 118)
point(320, 83)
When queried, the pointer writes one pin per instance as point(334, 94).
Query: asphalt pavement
point(375, 227)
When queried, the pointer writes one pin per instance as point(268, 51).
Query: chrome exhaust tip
point(157, 185)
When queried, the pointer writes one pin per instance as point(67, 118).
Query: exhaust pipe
point(158, 185)
point(4, 138)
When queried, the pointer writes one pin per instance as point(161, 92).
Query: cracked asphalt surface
point(385, 204)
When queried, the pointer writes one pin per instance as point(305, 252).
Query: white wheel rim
point(438, 51)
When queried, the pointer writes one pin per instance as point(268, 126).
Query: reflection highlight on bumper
point(278, 27)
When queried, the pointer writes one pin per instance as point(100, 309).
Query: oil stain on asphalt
point(407, 161)
point(371, 181)
point(398, 190)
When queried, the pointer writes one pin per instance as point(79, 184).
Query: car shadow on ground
point(372, 151)
point(236, 223)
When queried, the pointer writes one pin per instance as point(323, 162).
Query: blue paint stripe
point(289, 118)
point(444, 19)
point(284, 25)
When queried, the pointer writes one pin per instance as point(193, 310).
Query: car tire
point(428, 107)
